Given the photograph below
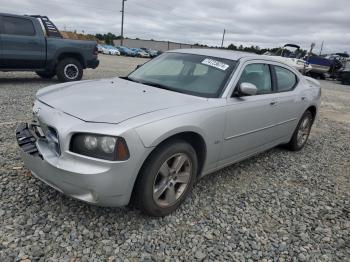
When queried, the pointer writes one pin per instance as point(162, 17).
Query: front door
point(22, 46)
point(250, 120)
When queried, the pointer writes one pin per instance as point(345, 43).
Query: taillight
point(95, 52)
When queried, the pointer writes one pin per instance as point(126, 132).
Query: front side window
point(286, 80)
point(186, 73)
point(258, 75)
point(17, 26)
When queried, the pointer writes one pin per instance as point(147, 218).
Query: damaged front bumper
point(95, 181)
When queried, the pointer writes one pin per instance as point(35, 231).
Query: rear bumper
point(89, 180)
point(92, 63)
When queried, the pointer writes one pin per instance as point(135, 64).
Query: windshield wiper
point(157, 85)
point(130, 79)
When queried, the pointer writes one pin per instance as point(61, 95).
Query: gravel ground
point(277, 206)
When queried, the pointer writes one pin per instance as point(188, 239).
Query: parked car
point(27, 45)
point(141, 53)
point(151, 52)
point(126, 51)
point(105, 50)
point(132, 53)
point(100, 48)
point(154, 133)
point(110, 50)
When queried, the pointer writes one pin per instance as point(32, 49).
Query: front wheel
point(302, 132)
point(166, 178)
point(69, 69)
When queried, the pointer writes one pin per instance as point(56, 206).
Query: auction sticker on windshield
point(216, 64)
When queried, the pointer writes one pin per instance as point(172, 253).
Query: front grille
point(26, 140)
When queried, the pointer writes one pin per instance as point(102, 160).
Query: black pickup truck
point(33, 43)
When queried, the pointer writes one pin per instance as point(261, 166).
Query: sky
point(266, 23)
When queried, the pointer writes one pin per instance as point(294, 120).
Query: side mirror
point(248, 89)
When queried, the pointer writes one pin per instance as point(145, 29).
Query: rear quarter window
point(17, 26)
point(286, 79)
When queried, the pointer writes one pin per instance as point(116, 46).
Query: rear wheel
point(302, 132)
point(166, 178)
point(46, 74)
point(69, 69)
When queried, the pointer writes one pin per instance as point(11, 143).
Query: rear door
point(289, 103)
point(23, 47)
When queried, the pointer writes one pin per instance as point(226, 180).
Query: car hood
point(111, 101)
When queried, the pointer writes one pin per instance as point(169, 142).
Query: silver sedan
point(151, 135)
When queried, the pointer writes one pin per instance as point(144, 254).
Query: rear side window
point(286, 80)
point(17, 26)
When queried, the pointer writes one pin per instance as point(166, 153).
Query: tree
point(99, 37)
point(232, 47)
point(107, 38)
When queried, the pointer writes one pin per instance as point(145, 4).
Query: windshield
point(186, 73)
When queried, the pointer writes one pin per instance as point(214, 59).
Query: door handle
point(273, 103)
point(303, 98)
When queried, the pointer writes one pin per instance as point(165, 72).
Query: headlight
point(108, 144)
point(100, 146)
point(90, 142)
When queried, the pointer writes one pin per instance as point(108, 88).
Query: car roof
point(228, 54)
point(220, 53)
point(16, 15)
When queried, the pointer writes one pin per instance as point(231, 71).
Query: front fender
point(153, 134)
point(209, 124)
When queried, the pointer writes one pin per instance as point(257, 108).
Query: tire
point(301, 132)
point(69, 69)
point(172, 189)
point(46, 74)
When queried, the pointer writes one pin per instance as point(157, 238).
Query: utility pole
point(223, 38)
point(321, 47)
point(122, 30)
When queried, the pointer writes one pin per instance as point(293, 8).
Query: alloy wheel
point(304, 131)
point(172, 180)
